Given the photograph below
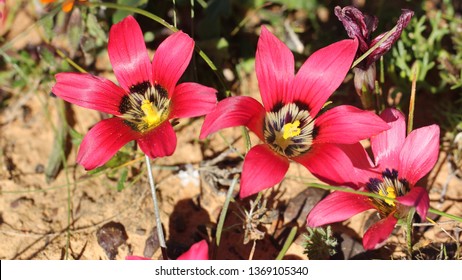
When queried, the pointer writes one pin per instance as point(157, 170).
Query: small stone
point(152, 244)
point(110, 236)
point(39, 168)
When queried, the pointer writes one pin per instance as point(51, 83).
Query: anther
point(291, 129)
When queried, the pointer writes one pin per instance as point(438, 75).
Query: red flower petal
point(262, 169)
point(339, 164)
point(198, 251)
point(128, 54)
point(379, 232)
point(337, 207)
point(347, 124)
point(235, 111)
point(137, 258)
point(419, 153)
point(418, 198)
point(387, 145)
point(89, 92)
point(103, 141)
point(274, 65)
point(192, 100)
point(171, 60)
point(322, 74)
point(159, 142)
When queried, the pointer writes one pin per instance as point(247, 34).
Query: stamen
point(291, 129)
point(390, 193)
point(151, 114)
point(145, 107)
point(389, 187)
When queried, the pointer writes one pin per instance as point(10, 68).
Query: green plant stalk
point(229, 145)
point(348, 190)
point(248, 143)
point(61, 110)
point(287, 244)
point(409, 219)
point(374, 47)
point(165, 24)
point(248, 18)
point(174, 13)
point(410, 122)
point(222, 218)
point(70, 61)
point(160, 232)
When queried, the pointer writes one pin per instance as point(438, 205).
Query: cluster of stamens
point(289, 129)
point(145, 107)
point(389, 187)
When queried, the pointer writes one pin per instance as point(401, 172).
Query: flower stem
point(374, 47)
point(410, 121)
point(221, 220)
point(160, 232)
point(410, 218)
point(287, 243)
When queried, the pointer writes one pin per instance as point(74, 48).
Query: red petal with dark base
point(171, 60)
point(322, 74)
point(274, 65)
point(262, 169)
point(337, 207)
point(159, 142)
point(89, 91)
point(103, 141)
point(128, 54)
point(192, 100)
point(347, 125)
point(387, 145)
point(419, 153)
point(418, 198)
point(379, 233)
point(235, 111)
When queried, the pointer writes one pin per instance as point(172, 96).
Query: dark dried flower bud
point(361, 26)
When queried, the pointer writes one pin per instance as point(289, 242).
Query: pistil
point(151, 114)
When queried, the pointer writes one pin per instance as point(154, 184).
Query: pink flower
point(400, 162)
point(288, 122)
point(198, 251)
point(145, 100)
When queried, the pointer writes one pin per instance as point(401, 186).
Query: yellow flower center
point(291, 129)
point(151, 114)
point(390, 194)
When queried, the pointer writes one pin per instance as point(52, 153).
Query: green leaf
point(94, 28)
point(75, 29)
point(122, 180)
point(117, 160)
point(76, 137)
